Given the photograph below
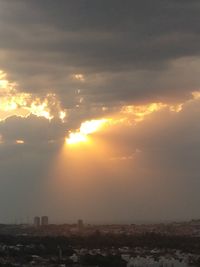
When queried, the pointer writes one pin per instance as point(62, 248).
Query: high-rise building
point(36, 221)
point(44, 220)
point(80, 225)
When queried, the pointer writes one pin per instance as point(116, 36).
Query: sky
point(99, 110)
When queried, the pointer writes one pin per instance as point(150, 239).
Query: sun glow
point(86, 128)
point(19, 141)
point(128, 115)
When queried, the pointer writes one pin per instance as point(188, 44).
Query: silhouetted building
point(80, 225)
point(36, 221)
point(44, 220)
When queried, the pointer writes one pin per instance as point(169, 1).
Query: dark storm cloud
point(44, 42)
point(105, 33)
point(34, 130)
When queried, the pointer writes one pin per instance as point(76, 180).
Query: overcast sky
point(135, 63)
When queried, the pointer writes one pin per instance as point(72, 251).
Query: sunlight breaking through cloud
point(14, 102)
point(86, 128)
point(127, 115)
point(141, 111)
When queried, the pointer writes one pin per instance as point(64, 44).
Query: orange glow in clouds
point(19, 141)
point(14, 102)
point(86, 128)
point(132, 114)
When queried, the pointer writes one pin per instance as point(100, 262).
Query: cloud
point(33, 130)
point(14, 102)
point(136, 62)
point(147, 166)
point(129, 51)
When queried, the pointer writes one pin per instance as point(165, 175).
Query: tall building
point(80, 225)
point(44, 220)
point(36, 221)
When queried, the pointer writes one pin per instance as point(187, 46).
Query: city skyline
point(99, 110)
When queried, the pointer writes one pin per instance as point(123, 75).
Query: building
point(44, 220)
point(80, 225)
point(36, 221)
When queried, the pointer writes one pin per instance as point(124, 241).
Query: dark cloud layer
point(44, 42)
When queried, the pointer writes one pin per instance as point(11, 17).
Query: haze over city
point(99, 110)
